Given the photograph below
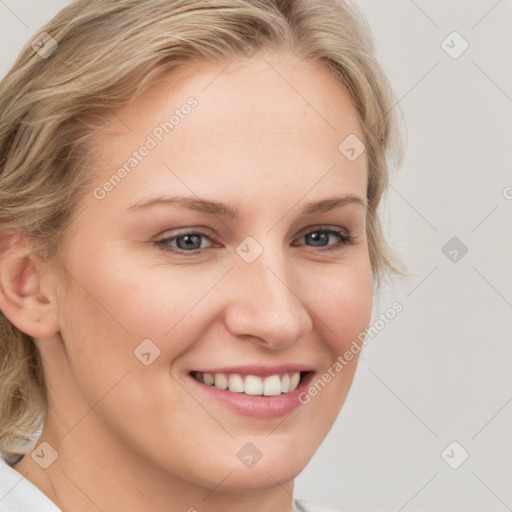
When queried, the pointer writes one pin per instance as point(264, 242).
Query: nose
point(263, 305)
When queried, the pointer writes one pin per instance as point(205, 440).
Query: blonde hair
point(108, 53)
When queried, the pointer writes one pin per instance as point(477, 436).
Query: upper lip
point(258, 369)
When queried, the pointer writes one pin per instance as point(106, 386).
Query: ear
point(25, 297)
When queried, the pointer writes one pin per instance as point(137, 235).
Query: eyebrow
point(225, 210)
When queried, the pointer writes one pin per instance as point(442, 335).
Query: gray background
point(441, 370)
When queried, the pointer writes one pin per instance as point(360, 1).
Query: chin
point(277, 466)
point(262, 477)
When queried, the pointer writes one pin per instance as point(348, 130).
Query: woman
point(189, 241)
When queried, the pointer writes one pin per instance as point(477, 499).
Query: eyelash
point(344, 239)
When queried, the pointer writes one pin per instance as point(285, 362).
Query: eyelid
point(322, 227)
point(171, 233)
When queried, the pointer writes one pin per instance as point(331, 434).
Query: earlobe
point(23, 299)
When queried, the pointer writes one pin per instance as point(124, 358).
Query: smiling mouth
point(254, 385)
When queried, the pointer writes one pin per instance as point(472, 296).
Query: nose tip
point(266, 308)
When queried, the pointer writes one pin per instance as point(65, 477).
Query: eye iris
point(191, 241)
point(318, 236)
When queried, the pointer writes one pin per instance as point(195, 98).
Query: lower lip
point(255, 405)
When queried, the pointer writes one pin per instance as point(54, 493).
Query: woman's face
point(256, 287)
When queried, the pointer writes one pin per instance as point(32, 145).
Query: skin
point(131, 437)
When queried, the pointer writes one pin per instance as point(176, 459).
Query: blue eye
point(189, 242)
point(321, 237)
point(186, 242)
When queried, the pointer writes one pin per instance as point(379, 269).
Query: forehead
point(270, 122)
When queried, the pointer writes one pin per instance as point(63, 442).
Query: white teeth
point(253, 385)
point(221, 381)
point(285, 383)
point(294, 380)
point(272, 385)
point(236, 383)
point(208, 378)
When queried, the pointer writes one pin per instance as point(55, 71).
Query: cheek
point(343, 303)
point(111, 305)
point(354, 307)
